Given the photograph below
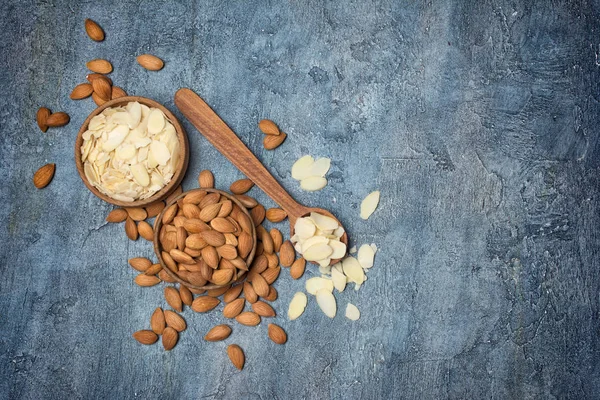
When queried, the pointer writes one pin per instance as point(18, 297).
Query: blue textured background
point(478, 120)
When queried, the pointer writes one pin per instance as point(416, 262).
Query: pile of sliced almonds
point(130, 152)
point(311, 173)
point(317, 238)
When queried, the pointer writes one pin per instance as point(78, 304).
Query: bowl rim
point(156, 242)
point(181, 167)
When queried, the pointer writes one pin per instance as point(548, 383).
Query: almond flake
point(324, 222)
point(353, 270)
point(326, 302)
point(317, 283)
point(339, 249)
point(304, 228)
point(338, 277)
point(317, 252)
point(297, 306)
point(160, 152)
point(320, 167)
point(365, 256)
point(156, 121)
point(352, 312)
point(302, 168)
point(135, 113)
point(369, 204)
point(313, 183)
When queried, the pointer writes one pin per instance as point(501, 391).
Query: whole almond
point(218, 291)
point(145, 280)
point(263, 309)
point(222, 276)
point(277, 334)
point(249, 293)
point(287, 253)
point(169, 241)
point(260, 264)
point(81, 91)
point(210, 256)
point(145, 230)
point(271, 274)
point(165, 277)
point(150, 62)
point(194, 225)
point(248, 318)
point(236, 356)
point(206, 179)
point(226, 207)
point(43, 176)
point(102, 88)
point(234, 308)
point(204, 303)
point(42, 118)
point(157, 321)
point(169, 262)
point(271, 142)
point(94, 30)
point(136, 213)
point(194, 197)
point(277, 238)
point(169, 214)
point(181, 257)
point(258, 214)
point(173, 299)
point(268, 127)
point(245, 223)
point(154, 209)
point(117, 92)
point(213, 238)
point(231, 239)
point(91, 77)
point(153, 269)
point(241, 186)
point(260, 286)
point(247, 201)
point(145, 336)
point(297, 269)
point(267, 241)
point(195, 241)
point(116, 215)
point(196, 278)
point(175, 321)
point(140, 263)
point(245, 243)
point(222, 225)
point(218, 333)
point(57, 119)
point(272, 296)
point(209, 212)
point(169, 338)
point(227, 251)
point(186, 296)
point(99, 66)
point(272, 260)
point(97, 99)
point(233, 293)
point(276, 214)
point(131, 229)
point(181, 235)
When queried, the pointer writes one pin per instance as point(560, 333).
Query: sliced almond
point(313, 285)
point(326, 302)
point(352, 312)
point(302, 167)
point(365, 256)
point(320, 167)
point(297, 306)
point(353, 270)
point(317, 252)
point(369, 204)
point(313, 183)
point(338, 277)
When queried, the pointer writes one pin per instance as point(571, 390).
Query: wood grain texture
point(478, 121)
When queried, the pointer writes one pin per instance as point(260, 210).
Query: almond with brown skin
point(154, 209)
point(42, 118)
point(102, 88)
point(99, 66)
point(276, 214)
point(277, 238)
point(81, 91)
point(287, 253)
point(181, 257)
point(204, 303)
point(169, 214)
point(222, 276)
point(145, 337)
point(157, 321)
point(146, 281)
point(227, 251)
point(117, 92)
point(94, 30)
point(116, 215)
point(258, 214)
point(91, 77)
point(268, 127)
point(271, 274)
point(97, 99)
point(233, 293)
point(245, 243)
point(241, 186)
point(196, 226)
point(150, 62)
point(273, 261)
point(165, 277)
point(247, 201)
point(218, 333)
point(136, 213)
point(131, 229)
point(271, 142)
point(140, 263)
point(153, 269)
point(206, 179)
point(213, 238)
point(226, 207)
point(222, 225)
point(248, 318)
point(218, 291)
point(297, 269)
point(249, 293)
point(145, 230)
point(175, 321)
point(209, 212)
point(186, 295)
point(277, 334)
point(195, 241)
point(169, 338)
point(43, 176)
point(272, 296)
point(260, 285)
point(57, 119)
point(173, 299)
point(210, 256)
point(263, 309)
point(267, 241)
point(234, 308)
point(236, 356)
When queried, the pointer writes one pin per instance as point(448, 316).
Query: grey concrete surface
point(478, 120)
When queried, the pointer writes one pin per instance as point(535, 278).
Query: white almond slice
point(87, 135)
point(121, 197)
point(90, 174)
point(142, 154)
point(157, 180)
point(339, 232)
point(325, 270)
point(326, 302)
point(298, 247)
point(97, 122)
point(317, 252)
point(369, 204)
point(320, 167)
point(134, 109)
point(174, 158)
point(338, 277)
point(302, 168)
point(297, 305)
point(339, 249)
point(304, 228)
point(323, 222)
point(160, 152)
point(120, 118)
point(374, 247)
point(314, 284)
point(115, 138)
point(313, 241)
point(140, 175)
point(145, 111)
point(353, 270)
point(151, 161)
point(102, 158)
point(324, 262)
point(352, 312)
point(156, 121)
point(365, 256)
point(352, 250)
point(125, 151)
point(313, 183)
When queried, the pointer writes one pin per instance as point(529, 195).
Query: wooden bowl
point(158, 248)
point(181, 165)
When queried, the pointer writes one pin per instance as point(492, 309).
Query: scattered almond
point(145, 337)
point(206, 180)
point(145, 230)
point(117, 92)
point(260, 286)
point(94, 30)
point(241, 186)
point(116, 215)
point(157, 321)
point(91, 77)
point(249, 293)
point(369, 204)
point(277, 334)
point(263, 309)
point(297, 269)
point(99, 66)
point(169, 338)
point(248, 318)
point(150, 62)
point(234, 308)
point(81, 91)
point(43, 176)
point(136, 213)
point(268, 127)
point(140, 263)
point(173, 299)
point(352, 312)
point(145, 280)
point(271, 142)
point(102, 88)
point(153, 269)
point(131, 229)
point(57, 119)
point(204, 303)
point(236, 355)
point(97, 99)
point(42, 118)
point(297, 306)
point(186, 295)
point(175, 321)
point(276, 214)
point(218, 333)
point(287, 254)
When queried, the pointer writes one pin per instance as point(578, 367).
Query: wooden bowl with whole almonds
point(205, 239)
point(134, 156)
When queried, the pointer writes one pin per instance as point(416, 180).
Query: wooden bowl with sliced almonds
point(131, 152)
point(205, 239)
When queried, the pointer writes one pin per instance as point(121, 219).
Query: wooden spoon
point(226, 141)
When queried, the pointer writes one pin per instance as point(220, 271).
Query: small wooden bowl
point(158, 250)
point(181, 165)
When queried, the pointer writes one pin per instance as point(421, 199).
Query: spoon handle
point(226, 141)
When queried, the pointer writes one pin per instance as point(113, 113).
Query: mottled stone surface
point(478, 120)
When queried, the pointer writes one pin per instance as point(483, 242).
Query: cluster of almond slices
point(130, 152)
point(317, 238)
